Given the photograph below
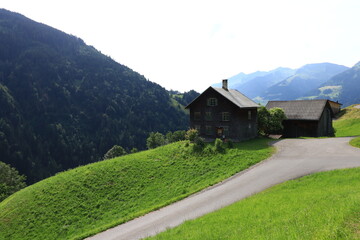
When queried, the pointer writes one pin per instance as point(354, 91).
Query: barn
point(224, 113)
point(306, 118)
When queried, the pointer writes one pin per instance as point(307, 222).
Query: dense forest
point(64, 104)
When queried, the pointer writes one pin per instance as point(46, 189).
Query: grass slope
point(321, 206)
point(348, 124)
point(355, 142)
point(88, 199)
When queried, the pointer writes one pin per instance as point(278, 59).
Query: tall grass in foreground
point(321, 206)
point(86, 200)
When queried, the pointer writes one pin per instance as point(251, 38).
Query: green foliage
point(192, 135)
point(115, 151)
point(229, 144)
point(320, 206)
point(155, 140)
point(92, 198)
point(355, 142)
point(134, 150)
point(277, 115)
point(10, 181)
point(175, 136)
point(199, 144)
point(263, 120)
point(270, 121)
point(219, 145)
point(348, 123)
point(64, 104)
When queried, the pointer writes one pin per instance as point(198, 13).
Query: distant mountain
point(304, 80)
point(64, 104)
point(241, 78)
point(256, 86)
point(343, 87)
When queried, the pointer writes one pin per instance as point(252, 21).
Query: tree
point(10, 181)
point(270, 121)
point(115, 151)
point(155, 140)
point(277, 116)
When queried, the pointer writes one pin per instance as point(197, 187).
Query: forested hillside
point(64, 104)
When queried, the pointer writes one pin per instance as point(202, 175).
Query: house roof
point(233, 96)
point(300, 109)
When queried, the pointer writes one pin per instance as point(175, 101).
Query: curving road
point(294, 158)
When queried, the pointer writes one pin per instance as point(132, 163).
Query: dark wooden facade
point(306, 118)
point(216, 114)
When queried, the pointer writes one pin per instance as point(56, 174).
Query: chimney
point(225, 84)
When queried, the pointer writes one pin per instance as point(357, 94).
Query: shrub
point(10, 181)
point(192, 135)
point(199, 144)
point(115, 151)
point(230, 144)
point(134, 150)
point(219, 145)
point(270, 121)
point(155, 140)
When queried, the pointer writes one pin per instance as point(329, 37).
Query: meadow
point(89, 199)
point(348, 122)
point(321, 206)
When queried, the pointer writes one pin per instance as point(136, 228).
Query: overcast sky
point(192, 44)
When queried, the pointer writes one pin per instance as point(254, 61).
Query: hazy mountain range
point(312, 81)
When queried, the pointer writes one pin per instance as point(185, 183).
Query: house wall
point(325, 127)
point(239, 126)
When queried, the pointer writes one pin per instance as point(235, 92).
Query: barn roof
point(233, 96)
point(300, 109)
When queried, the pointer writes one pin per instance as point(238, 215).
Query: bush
point(10, 181)
point(199, 144)
point(270, 121)
point(155, 140)
point(192, 135)
point(230, 144)
point(115, 151)
point(219, 145)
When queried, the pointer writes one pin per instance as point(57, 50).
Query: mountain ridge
point(67, 104)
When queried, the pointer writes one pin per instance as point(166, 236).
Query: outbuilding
point(306, 118)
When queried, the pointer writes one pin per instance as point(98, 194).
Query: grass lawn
point(348, 124)
point(355, 142)
point(320, 206)
point(86, 200)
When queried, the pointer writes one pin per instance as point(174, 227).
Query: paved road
point(294, 158)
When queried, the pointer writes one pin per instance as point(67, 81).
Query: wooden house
point(306, 118)
point(224, 113)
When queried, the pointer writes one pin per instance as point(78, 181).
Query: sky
point(191, 44)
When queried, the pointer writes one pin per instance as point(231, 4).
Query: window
point(225, 116)
point(208, 116)
point(197, 116)
point(212, 102)
point(249, 114)
point(208, 130)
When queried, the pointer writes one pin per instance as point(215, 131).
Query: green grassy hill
point(321, 206)
point(348, 122)
point(86, 200)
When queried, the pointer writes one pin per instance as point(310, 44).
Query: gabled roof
point(233, 96)
point(300, 109)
